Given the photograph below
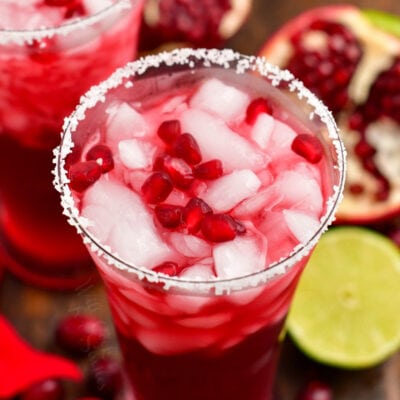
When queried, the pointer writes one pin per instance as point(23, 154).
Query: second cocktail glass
point(44, 70)
point(226, 171)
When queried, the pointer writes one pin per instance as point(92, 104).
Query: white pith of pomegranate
point(354, 67)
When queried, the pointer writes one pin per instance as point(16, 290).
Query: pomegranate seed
point(49, 389)
point(308, 147)
point(102, 155)
point(168, 268)
point(75, 11)
point(186, 147)
point(169, 131)
point(179, 171)
point(193, 214)
point(157, 187)
point(394, 235)
point(83, 174)
point(383, 191)
point(168, 215)
point(356, 188)
point(209, 170)
point(256, 107)
point(42, 51)
point(105, 377)
point(363, 149)
point(58, 3)
point(316, 391)
point(80, 334)
point(218, 227)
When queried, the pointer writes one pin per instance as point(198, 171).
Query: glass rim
point(28, 35)
point(210, 58)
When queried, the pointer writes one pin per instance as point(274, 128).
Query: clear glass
point(43, 74)
point(195, 339)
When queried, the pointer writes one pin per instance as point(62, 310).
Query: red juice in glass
point(200, 182)
point(51, 52)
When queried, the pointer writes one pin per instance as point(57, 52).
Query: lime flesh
point(346, 309)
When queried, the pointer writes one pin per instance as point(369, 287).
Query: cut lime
point(346, 309)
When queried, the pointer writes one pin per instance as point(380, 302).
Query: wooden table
point(35, 312)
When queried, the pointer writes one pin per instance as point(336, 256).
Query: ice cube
point(226, 192)
point(133, 235)
point(225, 101)
point(124, 122)
point(280, 239)
point(198, 272)
point(175, 105)
point(239, 257)
point(218, 141)
point(189, 245)
point(282, 136)
point(302, 226)
point(298, 192)
point(100, 221)
point(135, 179)
point(95, 6)
point(262, 130)
point(135, 154)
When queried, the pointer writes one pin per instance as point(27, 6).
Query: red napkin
point(21, 365)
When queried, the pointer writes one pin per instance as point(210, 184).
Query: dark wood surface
point(35, 312)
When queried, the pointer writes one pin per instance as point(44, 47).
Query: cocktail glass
point(43, 73)
point(204, 322)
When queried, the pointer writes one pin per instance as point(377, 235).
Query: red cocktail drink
point(50, 53)
point(200, 182)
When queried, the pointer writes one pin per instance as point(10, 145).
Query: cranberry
point(187, 148)
point(168, 268)
point(169, 131)
point(208, 170)
point(102, 155)
point(193, 214)
point(256, 107)
point(309, 147)
point(316, 390)
point(83, 174)
point(168, 215)
point(157, 187)
point(218, 227)
point(80, 334)
point(105, 377)
point(50, 389)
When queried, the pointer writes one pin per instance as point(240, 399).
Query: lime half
point(346, 311)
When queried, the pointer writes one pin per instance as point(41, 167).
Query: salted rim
point(186, 57)
point(21, 37)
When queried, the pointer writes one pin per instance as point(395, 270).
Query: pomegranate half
point(351, 59)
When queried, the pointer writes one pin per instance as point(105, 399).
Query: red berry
point(80, 334)
point(193, 214)
point(50, 389)
point(105, 377)
point(316, 391)
point(157, 187)
point(187, 148)
point(308, 147)
point(102, 155)
point(168, 215)
point(169, 131)
point(83, 174)
point(218, 227)
point(256, 107)
point(168, 268)
point(208, 170)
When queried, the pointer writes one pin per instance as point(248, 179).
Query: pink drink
point(222, 182)
point(49, 56)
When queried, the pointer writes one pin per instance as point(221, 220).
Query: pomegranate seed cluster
point(177, 179)
point(325, 57)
